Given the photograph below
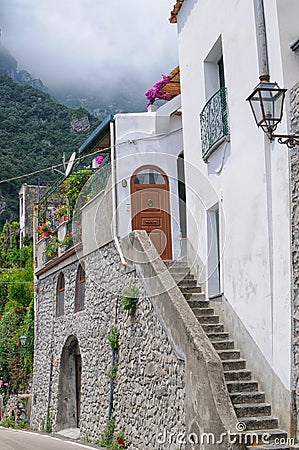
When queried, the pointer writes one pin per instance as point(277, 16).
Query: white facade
point(155, 139)
point(245, 179)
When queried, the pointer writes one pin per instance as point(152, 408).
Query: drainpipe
point(114, 196)
point(262, 49)
point(261, 38)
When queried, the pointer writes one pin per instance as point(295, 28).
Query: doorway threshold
point(72, 433)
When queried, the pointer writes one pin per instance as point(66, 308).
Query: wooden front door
point(151, 207)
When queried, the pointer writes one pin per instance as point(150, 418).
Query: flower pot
point(152, 108)
point(63, 219)
point(44, 234)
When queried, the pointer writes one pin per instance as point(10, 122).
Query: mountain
point(100, 103)
point(9, 66)
point(35, 131)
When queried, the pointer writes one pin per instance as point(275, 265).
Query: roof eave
point(99, 133)
point(175, 11)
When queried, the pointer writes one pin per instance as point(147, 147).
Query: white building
point(237, 181)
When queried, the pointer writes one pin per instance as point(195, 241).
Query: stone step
point(253, 409)
point(207, 319)
point(234, 364)
point(223, 345)
point(203, 311)
point(187, 283)
point(175, 262)
point(259, 423)
point(242, 386)
point(235, 375)
point(239, 398)
point(263, 437)
point(218, 336)
point(276, 447)
point(198, 303)
point(196, 297)
point(190, 290)
point(178, 277)
point(228, 354)
point(213, 328)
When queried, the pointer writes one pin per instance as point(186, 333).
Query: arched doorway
point(69, 390)
point(151, 207)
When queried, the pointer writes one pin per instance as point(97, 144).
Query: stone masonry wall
point(150, 382)
point(294, 156)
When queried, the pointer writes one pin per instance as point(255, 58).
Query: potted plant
point(61, 213)
point(67, 242)
point(51, 248)
point(44, 230)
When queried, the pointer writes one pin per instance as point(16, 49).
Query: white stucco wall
point(153, 138)
point(249, 176)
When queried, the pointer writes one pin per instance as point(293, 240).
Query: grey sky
point(95, 42)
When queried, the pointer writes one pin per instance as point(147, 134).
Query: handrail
point(114, 203)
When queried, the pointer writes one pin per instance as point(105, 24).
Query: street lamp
point(266, 102)
point(23, 340)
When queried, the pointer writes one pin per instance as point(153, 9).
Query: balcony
point(214, 123)
point(60, 213)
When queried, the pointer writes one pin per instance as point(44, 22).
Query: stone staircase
point(253, 413)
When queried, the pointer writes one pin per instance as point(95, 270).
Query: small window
point(149, 176)
point(80, 289)
point(60, 296)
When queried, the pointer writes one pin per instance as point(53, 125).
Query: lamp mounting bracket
point(291, 140)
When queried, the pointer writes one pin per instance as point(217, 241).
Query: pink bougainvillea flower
point(157, 91)
point(99, 159)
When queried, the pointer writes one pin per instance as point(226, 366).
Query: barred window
point(60, 295)
point(80, 289)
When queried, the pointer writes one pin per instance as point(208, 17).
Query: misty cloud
point(90, 43)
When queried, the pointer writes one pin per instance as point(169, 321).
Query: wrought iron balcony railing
point(214, 122)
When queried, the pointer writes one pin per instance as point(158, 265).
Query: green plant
point(113, 338)
point(9, 422)
point(43, 428)
point(129, 299)
point(74, 185)
point(51, 247)
point(23, 425)
point(48, 423)
point(108, 432)
point(67, 242)
point(61, 211)
point(112, 372)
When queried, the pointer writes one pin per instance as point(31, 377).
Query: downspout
point(114, 196)
point(264, 75)
point(261, 39)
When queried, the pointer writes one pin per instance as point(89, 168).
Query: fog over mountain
point(91, 48)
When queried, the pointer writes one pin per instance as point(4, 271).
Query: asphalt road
point(26, 440)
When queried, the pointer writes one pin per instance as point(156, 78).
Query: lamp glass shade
point(23, 340)
point(266, 103)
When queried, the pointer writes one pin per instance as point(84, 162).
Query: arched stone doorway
point(69, 390)
point(151, 207)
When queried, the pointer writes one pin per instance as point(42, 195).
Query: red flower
point(15, 310)
point(0, 317)
point(19, 310)
point(120, 441)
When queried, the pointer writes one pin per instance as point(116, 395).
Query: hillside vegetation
point(16, 312)
point(34, 133)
